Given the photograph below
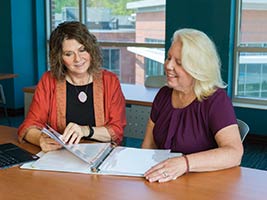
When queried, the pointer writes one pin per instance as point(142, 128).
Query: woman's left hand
point(167, 170)
point(73, 133)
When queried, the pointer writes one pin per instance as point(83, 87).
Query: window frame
point(82, 17)
point(110, 57)
point(238, 48)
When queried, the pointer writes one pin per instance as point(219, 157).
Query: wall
point(6, 57)
point(23, 43)
point(22, 46)
point(209, 16)
point(216, 18)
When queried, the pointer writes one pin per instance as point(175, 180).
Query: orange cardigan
point(49, 105)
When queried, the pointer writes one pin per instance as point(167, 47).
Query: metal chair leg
point(6, 115)
point(3, 102)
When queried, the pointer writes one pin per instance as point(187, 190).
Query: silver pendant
point(82, 97)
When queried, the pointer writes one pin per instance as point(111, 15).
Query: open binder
point(93, 155)
point(98, 158)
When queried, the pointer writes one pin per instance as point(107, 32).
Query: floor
point(255, 153)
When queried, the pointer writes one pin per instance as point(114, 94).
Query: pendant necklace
point(82, 95)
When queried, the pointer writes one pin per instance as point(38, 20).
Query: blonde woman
point(193, 114)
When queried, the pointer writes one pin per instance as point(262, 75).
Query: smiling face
point(75, 57)
point(177, 77)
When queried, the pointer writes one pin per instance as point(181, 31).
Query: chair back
point(2, 95)
point(243, 129)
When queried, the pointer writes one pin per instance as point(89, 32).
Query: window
point(153, 68)
point(131, 33)
point(111, 58)
point(250, 75)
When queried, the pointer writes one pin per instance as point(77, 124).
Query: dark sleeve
point(221, 112)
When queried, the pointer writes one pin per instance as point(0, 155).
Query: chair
point(243, 129)
point(3, 103)
point(155, 81)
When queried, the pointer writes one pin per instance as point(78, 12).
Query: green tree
point(59, 4)
point(118, 7)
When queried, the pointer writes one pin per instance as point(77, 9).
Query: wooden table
point(134, 94)
point(235, 183)
point(4, 76)
point(138, 94)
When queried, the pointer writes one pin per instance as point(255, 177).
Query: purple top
point(193, 128)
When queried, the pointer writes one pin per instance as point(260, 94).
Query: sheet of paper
point(60, 160)
point(132, 161)
point(64, 160)
point(53, 134)
point(174, 154)
point(124, 161)
point(88, 153)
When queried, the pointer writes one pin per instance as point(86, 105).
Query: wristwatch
point(91, 132)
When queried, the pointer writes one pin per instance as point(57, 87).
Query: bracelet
point(187, 164)
point(91, 132)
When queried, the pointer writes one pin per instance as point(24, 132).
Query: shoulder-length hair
point(79, 32)
point(200, 59)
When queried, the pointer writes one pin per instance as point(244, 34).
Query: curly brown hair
point(78, 31)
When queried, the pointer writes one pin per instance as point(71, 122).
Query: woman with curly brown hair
point(76, 97)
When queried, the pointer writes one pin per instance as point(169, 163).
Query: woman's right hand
point(48, 144)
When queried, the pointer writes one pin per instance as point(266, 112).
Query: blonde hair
point(200, 59)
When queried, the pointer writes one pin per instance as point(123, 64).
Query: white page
point(60, 160)
point(84, 152)
point(88, 152)
point(174, 154)
point(132, 161)
point(122, 161)
point(64, 160)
